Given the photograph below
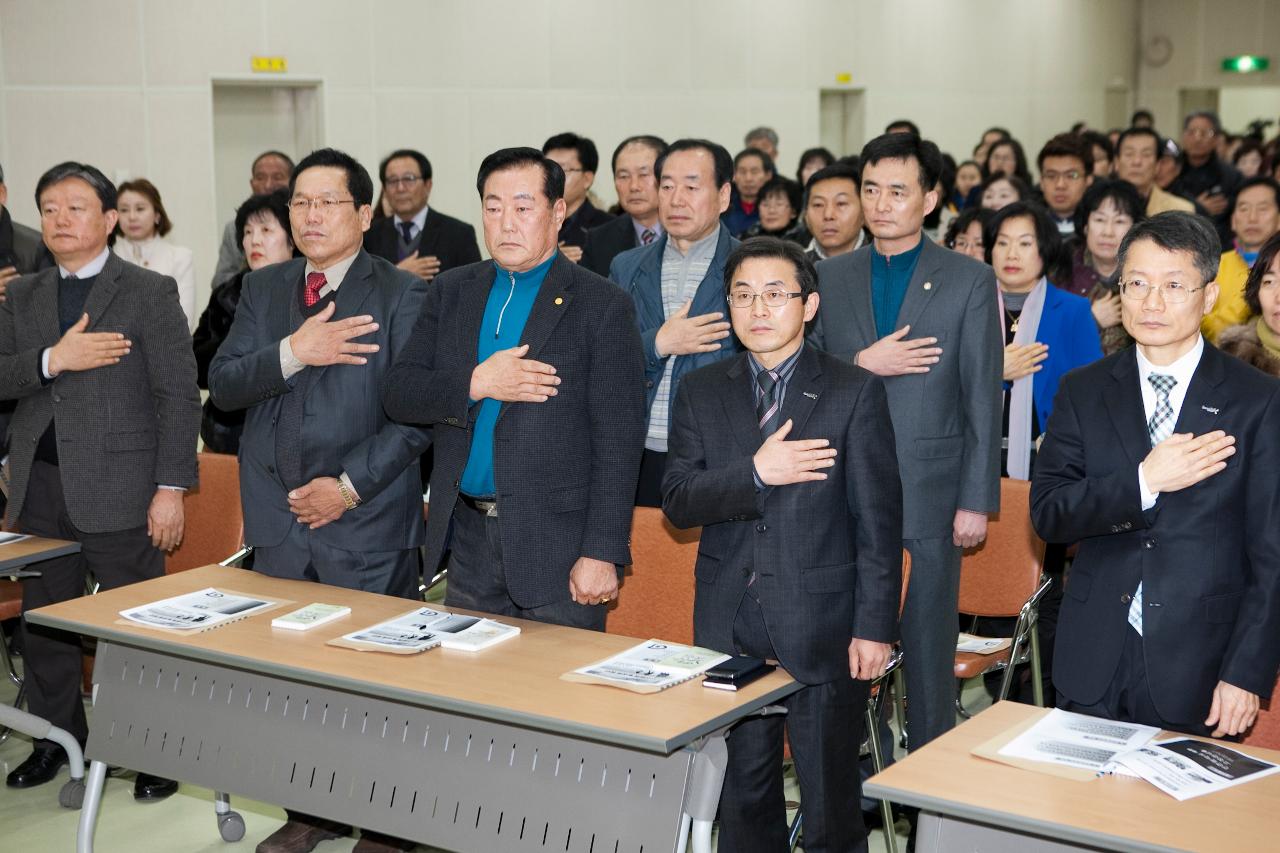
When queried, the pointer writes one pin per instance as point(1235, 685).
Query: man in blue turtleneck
point(530, 370)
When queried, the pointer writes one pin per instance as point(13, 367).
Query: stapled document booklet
point(649, 667)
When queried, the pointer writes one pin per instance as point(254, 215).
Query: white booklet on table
point(425, 628)
point(198, 611)
point(1185, 767)
point(649, 667)
point(1077, 740)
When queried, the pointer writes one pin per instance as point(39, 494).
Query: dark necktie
point(315, 283)
point(406, 228)
point(768, 412)
point(648, 236)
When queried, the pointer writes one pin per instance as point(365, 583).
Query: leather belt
point(488, 507)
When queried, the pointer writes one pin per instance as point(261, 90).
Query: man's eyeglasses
point(773, 298)
point(1071, 176)
point(405, 181)
point(326, 205)
point(1171, 292)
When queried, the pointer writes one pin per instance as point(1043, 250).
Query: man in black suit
point(785, 456)
point(578, 160)
point(636, 182)
point(103, 441)
point(329, 485)
point(416, 237)
point(530, 371)
point(1161, 461)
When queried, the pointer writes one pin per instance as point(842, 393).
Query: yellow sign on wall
point(269, 64)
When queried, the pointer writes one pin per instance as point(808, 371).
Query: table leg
point(705, 782)
point(97, 777)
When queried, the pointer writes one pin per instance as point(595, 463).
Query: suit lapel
point(103, 291)
point(738, 398)
point(1203, 405)
point(44, 297)
point(282, 296)
point(859, 295)
point(918, 296)
point(803, 391)
point(1124, 405)
point(429, 239)
point(549, 306)
point(352, 293)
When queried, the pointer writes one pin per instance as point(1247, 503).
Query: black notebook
point(736, 672)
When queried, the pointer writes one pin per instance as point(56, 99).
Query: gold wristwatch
point(347, 498)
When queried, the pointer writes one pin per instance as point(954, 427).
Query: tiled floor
point(31, 820)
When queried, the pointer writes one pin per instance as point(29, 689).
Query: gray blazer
point(344, 427)
point(946, 421)
point(122, 429)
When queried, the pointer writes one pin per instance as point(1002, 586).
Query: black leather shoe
point(148, 788)
point(40, 767)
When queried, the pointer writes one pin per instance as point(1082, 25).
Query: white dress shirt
point(1181, 370)
point(419, 221)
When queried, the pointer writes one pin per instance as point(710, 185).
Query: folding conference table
point(486, 751)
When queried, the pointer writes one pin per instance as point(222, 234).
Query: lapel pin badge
point(810, 395)
point(928, 285)
point(559, 300)
point(1213, 410)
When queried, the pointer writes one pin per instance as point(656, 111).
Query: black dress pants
point(119, 558)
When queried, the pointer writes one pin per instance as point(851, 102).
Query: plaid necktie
point(1159, 428)
point(768, 412)
point(315, 283)
point(648, 236)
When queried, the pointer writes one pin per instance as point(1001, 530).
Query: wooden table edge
point(60, 550)
point(496, 713)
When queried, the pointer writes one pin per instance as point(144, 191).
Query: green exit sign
point(1246, 64)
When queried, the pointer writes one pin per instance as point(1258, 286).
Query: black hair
point(1004, 133)
point(719, 157)
point(1096, 139)
point(1020, 169)
point(911, 126)
point(765, 160)
point(586, 149)
point(276, 203)
point(1067, 145)
point(1253, 284)
point(1248, 146)
point(772, 247)
point(904, 146)
point(104, 189)
point(272, 153)
point(1055, 258)
point(1208, 115)
point(1260, 181)
point(1123, 195)
point(963, 220)
point(1141, 114)
point(1133, 132)
point(1021, 187)
point(835, 170)
point(359, 184)
point(1178, 231)
point(780, 185)
point(513, 158)
point(819, 153)
point(424, 165)
point(657, 143)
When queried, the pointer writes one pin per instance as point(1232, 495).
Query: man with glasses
point(416, 237)
point(1206, 178)
point(785, 456)
point(329, 487)
point(1161, 461)
point(578, 160)
point(1066, 171)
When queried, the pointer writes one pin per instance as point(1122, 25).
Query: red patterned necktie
point(315, 283)
point(648, 236)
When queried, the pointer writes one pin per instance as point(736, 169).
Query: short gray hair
point(761, 133)
point(1178, 231)
point(105, 190)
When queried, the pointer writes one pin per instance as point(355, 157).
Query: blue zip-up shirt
point(890, 277)
point(505, 314)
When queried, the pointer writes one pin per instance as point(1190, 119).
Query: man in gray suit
point(925, 319)
point(330, 486)
point(103, 441)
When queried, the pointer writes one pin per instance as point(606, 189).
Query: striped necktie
point(768, 411)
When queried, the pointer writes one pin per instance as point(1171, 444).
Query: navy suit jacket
point(344, 427)
point(451, 240)
point(565, 470)
point(639, 273)
point(827, 555)
point(1208, 556)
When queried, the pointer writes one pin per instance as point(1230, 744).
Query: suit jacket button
point(762, 527)
point(57, 398)
point(1149, 544)
point(746, 571)
point(1126, 598)
point(271, 468)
